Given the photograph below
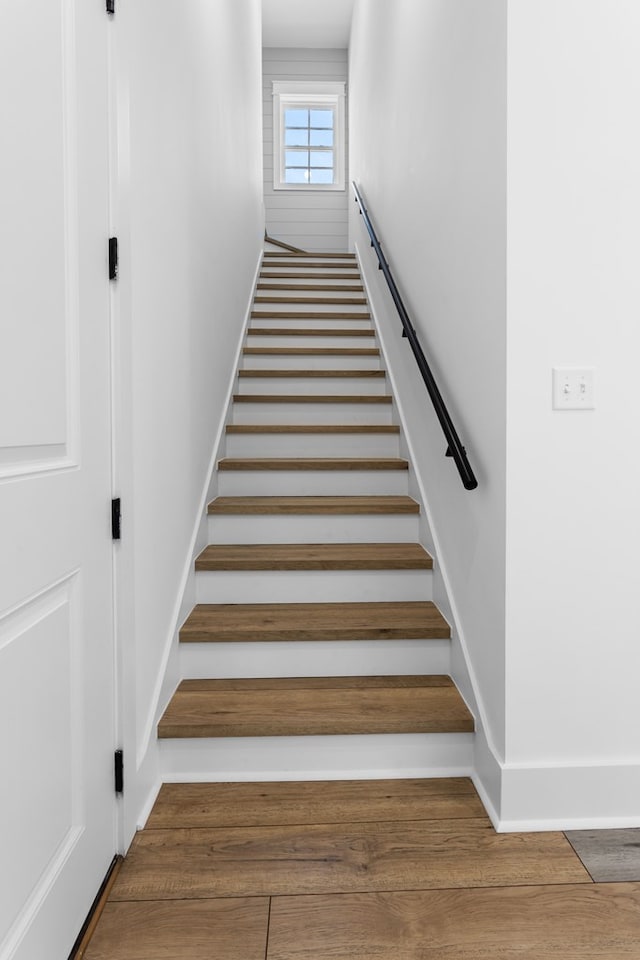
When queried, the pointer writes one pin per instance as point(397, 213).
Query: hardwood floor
point(382, 870)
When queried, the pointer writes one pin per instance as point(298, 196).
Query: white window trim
point(314, 93)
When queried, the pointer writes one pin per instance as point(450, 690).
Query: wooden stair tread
point(382, 398)
point(312, 374)
point(310, 332)
point(390, 620)
point(315, 706)
point(347, 506)
point(308, 315)
point(283, 263)
point(307, 254)
point(339, 301)
point(314, 556)
point(206, 805)
point(313, 428)
point(319, 287)
point(309, 276)
point(312, 351)
point(313, 463)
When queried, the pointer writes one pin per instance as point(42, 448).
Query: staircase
point(315, 650)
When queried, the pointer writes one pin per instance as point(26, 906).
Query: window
point(308, 136)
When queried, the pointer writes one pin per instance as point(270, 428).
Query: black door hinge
point(113, 258)
point(116, 517)
point(118, 771)
point(111, 6)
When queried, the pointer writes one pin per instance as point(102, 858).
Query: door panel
point(57, 806)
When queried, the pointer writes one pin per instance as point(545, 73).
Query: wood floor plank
point(327, 858)
point(314, 556)
point(309, 315)
point(280, 263)
point(312, 351)
point(313, 428)
point(608, 855)
point(303, 254)
point(333, 506)
point(320, 374)
point(206, 805)
point(182, 930)
point(310, 332)
point(342, 301)
point(583, 922)
point(315, 706)
point(390, 620)
point(314, 287)
point(297, 398)
point(313, 463)
point(289, 275)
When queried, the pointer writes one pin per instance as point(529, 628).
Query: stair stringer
point(487, 773)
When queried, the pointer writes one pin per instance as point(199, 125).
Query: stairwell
point(315, 650)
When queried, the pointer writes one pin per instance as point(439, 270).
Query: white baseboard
point(570, 797)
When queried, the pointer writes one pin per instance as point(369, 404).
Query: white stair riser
point(373, 756)
point(328, 324)
point(312, 444)
point(312, 483)
point(367, 528)
point(345, 413)
point(256, 340)
point(284, 306)
point(337, 658)
point(321, 265)
point(293, 282)
point(319, 362)
point(312, 586)
point(286, 303)
point(351, 386)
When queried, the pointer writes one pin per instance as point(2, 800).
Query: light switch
point(573, 388)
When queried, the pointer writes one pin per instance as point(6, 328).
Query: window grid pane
point(309, 127)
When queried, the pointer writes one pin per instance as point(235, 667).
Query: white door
point(57, 802)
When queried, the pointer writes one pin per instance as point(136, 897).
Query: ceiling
point(306, 23)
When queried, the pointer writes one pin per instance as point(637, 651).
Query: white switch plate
point(573, 388)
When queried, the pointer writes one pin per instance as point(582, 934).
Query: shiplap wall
point(312, 220)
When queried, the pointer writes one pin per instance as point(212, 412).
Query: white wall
point(509, 168)
point(428, 147)
point(310, 220)
point(573, 519)
point(191, 181)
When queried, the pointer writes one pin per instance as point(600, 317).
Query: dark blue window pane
point(296, 118)
point(321, 158)
point(321, 138)
point(295, 176)
point(322, 118)
point(321, 176)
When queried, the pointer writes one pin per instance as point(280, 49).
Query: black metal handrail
point(455, 448)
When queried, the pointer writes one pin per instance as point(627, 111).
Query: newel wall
point(504, 187)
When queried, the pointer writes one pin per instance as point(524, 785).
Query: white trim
point(309, 88)
point(567, 795)
point(313, 93)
